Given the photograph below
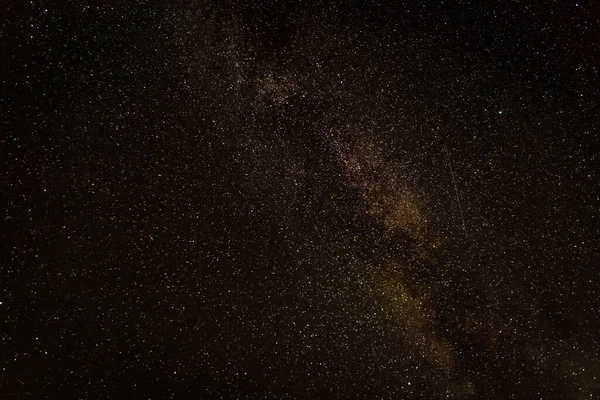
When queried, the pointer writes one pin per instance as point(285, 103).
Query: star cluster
point(208, 199)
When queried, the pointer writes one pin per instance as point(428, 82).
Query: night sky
point(268, 199)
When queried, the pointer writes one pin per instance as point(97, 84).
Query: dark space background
point(271, 199)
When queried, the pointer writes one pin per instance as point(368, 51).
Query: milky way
point(225, 200)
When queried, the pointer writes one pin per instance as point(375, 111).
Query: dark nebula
point(262, 199)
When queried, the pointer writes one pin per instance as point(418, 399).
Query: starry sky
point(268, 199)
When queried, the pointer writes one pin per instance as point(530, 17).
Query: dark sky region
point(300, 200)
